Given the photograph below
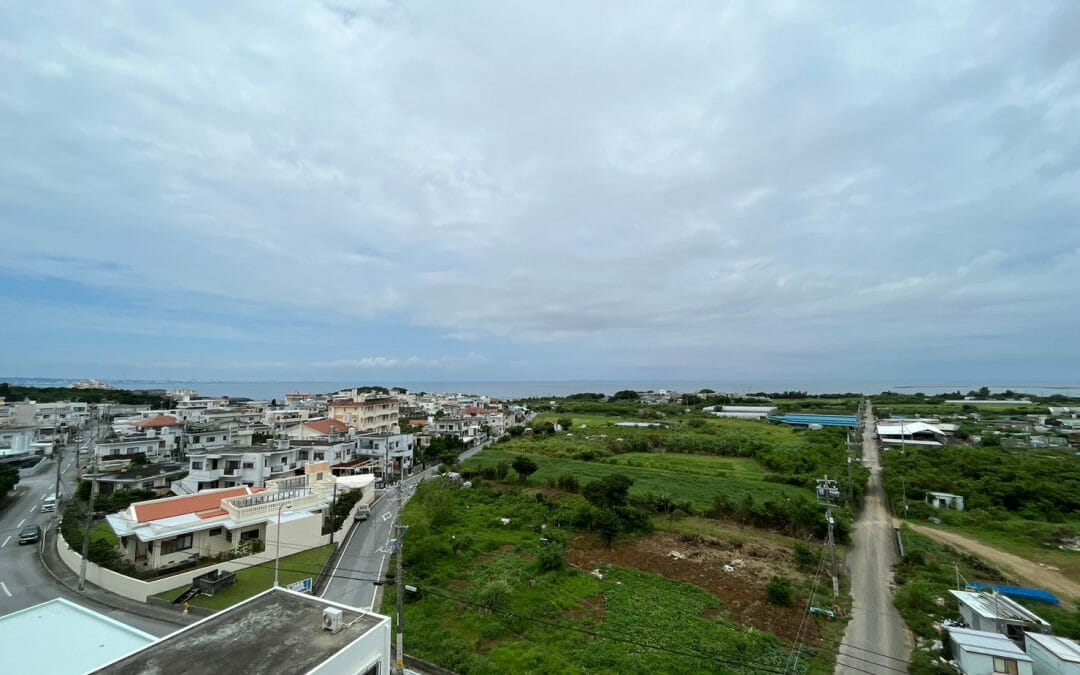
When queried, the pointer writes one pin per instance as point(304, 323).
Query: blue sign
point(302, 586)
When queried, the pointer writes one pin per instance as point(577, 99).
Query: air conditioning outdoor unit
point(332, 619)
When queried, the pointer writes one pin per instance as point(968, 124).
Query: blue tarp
point(1018, 593)
point(805, 420)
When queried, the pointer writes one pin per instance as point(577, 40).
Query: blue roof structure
point(805, 420)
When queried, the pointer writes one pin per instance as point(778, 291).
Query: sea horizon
point(277, 389)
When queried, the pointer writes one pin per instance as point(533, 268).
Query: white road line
point(21, 522)
point(32, 508)
point(4, 586)
point(5, 541)
point(44, 495)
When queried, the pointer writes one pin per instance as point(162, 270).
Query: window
point(196, 466)
point(1006, 666)
point(249, 534)
point(249, 465)
point(181, 543)
point(216, 532)
point(211, 439)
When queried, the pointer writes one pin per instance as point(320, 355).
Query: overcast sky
point(456, 190)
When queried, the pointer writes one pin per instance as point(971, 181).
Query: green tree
point(552, 556)
point(607, 524)
point(524, 466)
point(565, 422)
point(625, 395)
point(9, 478)
point(611, 491)
point(779, 592)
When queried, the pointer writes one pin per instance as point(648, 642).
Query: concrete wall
point(373, 647)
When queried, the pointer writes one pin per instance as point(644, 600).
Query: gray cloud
point(622, 184)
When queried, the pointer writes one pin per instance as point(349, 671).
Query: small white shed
point(981, 653)
point(1052, 655)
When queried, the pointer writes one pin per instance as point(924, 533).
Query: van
point(49, 505)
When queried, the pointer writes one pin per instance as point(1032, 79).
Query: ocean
point(266, 390)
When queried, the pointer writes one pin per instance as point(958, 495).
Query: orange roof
point(473, 410)
point(202, 504)
point(327, 427)
point(158, 422)
point(419, 423)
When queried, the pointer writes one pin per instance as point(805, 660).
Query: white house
point(1052, 655)
point(316, 429)
point(225, 523)
point(16, 440)
point(982, 653)
point(944, 500)
point(396, 450)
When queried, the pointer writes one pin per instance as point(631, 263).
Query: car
point(30, 534)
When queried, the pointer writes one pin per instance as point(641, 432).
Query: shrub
point(779, 592)
point(568, 482)
point(552, 556)
point(525, 467)
point(804, 557)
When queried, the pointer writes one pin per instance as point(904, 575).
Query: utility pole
point(333, 512)
point(827, 493)
point(59, 463)
point(399, 583)
point(89, 526)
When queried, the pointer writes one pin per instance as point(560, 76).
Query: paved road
point(23, 580)
point(876, 630)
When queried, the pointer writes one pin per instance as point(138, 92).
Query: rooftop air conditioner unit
point(332, 619)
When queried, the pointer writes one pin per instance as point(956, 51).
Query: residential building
point(394, 451)
point(986, 653)
point(286, 417)
point(373, 415)
point(944, 500)
point(157, 478)
point(277, 631)
point(125, 449)
point(225, 523)
point(995, 613)
point(89, 639)
point(1052, 655)
point(316, 429)
point(329, 449)
point(17, 440)
point(236, 466)
point(467, 429)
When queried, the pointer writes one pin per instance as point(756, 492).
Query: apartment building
point(394, 450)
point(373, 415)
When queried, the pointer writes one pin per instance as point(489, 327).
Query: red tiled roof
point(204, 505)
point(158, 422)
point(419, 423)
point(473, 410)
point(327, 427)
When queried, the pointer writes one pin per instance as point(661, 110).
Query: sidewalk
point(56, 568)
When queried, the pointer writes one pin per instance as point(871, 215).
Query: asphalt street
point(24, 582)
point(876, 637)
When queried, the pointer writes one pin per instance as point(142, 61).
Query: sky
point(510, 190)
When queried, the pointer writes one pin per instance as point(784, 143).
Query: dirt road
point(1030, 572)
point(876, 638)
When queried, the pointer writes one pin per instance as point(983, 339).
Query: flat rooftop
point(88, 639)
point(276, 632)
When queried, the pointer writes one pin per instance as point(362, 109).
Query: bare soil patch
point(735, 572)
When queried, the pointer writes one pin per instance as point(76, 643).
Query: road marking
point(21, 522)
point(344, 547)
point(44, 495)
point(386, 516)
point(4, 586)
point(5, 541)
point(32, 508)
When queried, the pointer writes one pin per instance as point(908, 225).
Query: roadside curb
point(99, 595)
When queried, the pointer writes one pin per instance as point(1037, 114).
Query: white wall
point(1045, 663)
point(373, 647)
point(981, 664)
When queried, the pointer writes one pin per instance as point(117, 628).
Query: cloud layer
point(577, 189)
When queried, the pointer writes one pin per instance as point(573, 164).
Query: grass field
point(484, 606)
point(695, 478)
point(254, 580)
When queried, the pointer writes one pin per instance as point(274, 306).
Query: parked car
point(30, 534)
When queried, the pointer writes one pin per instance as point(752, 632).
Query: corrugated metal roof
point(992, 644)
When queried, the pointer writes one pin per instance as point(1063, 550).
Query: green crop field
point(694, 478)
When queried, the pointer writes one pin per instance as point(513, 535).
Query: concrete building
point(225, 523)
point(277, 631)
point(995, 613)
point(1052, 655)
point(121, 450)
point(84, 639)
point(393, 450)
point(316, 429)
point(235, 466)
point(982, 653)
point(373, 415)
point(17, 440)
point(157, 478)
point(745, 412)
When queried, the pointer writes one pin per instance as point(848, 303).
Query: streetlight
point(277, 547)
